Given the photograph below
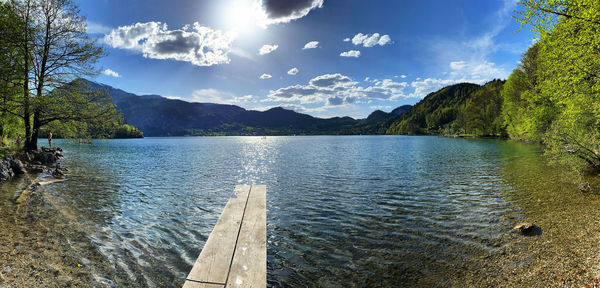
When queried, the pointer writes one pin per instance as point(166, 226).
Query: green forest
point(44, 49)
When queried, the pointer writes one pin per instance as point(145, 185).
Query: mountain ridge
point(157, 115)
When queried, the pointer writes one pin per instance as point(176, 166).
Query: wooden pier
point(235, 254)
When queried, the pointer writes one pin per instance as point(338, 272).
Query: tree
point(562, 103)
point(10, 60)
point(56, 50)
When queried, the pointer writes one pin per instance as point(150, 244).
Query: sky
point(325, 58)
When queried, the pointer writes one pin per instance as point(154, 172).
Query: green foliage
point(43, 48)
point(553, 97)
point(458, 109)
point(10, 123)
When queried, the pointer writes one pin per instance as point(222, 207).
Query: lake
point(342, 211)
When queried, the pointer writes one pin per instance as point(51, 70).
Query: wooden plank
point(192, 284)
point(50, 181)
point(214, 261)
point(249, 266)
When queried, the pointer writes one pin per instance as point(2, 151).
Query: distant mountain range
point(155, 115)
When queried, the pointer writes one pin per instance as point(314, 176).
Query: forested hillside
point(553, 97)
point(457, 109)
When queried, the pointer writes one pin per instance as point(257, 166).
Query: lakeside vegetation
point(44, 48)
point(552, 97)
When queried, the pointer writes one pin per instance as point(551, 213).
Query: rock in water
point(16, 165)
point(6, 171)
point(57, 173)
point(525, 227)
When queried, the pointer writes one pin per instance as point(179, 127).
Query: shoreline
point(568, 239)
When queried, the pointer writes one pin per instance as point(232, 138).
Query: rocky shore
point(37, 161)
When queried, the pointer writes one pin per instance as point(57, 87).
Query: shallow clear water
point(341, 211)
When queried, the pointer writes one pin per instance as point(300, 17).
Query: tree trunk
point(26, 103)
point(27, 114)
point(32, 143)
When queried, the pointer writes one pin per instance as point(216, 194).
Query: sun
point(242, 15)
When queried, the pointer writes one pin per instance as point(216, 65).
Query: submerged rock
point(526, 227)
point(57, 173)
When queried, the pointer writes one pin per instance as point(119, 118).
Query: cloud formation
point(476, 70)
point(96, 28)
point(370, 40)
point(278, 11)
point(351, 53)
point(293, 71)
point(311, 45)
point(196, 44)
point(266, 49)
point(109, 72)
point(337, 89)
point(426, 86)
point(265, 76)
point(215, 96)
point(331, 80)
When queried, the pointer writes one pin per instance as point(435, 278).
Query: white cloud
point(371, 40)
point(457, 65)
point(265, 76)
point(285, 11)
point(403, 76)
point(331, 80)
point(351, 53)
point(110, 72)
point(196, 44)
point(266, 49)
point(96, 28)
point(337, 89)
point(216, 96)
point(469, 59)
point(428, 85)
point(346, 39)
point(385, 39)
point(381, 107)
point(311, 45)
point(476, 70)
point(293, 71)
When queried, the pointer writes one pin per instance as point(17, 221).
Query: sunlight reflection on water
point(341, 211)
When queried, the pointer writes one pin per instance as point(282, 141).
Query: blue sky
point(259, 54)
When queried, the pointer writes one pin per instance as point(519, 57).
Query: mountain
point(463, 108)
point(155, 115)
point(378, 115)
point(401, 109)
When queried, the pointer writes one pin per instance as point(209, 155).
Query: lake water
point(342, 211)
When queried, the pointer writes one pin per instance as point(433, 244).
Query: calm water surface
point(358, 211)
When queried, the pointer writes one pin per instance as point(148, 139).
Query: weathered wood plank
point(249, 266)
point(191, 284)
point(214, 261)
